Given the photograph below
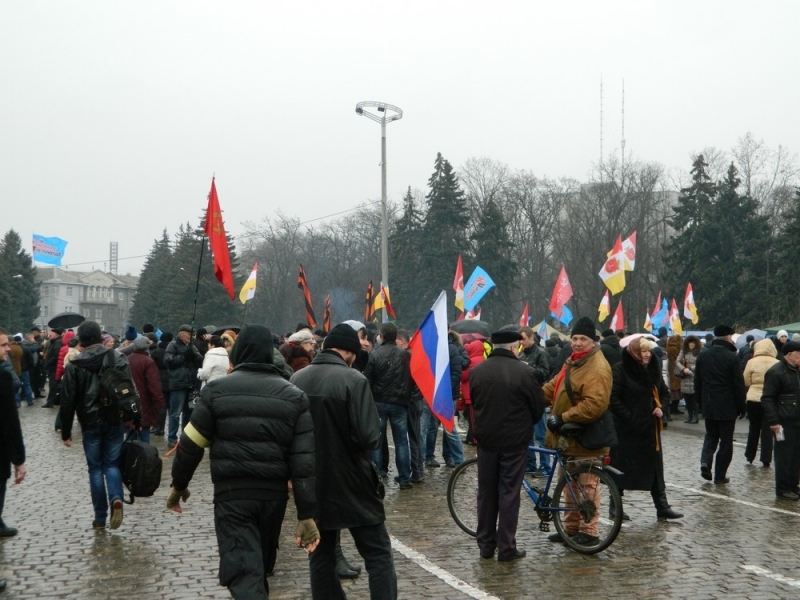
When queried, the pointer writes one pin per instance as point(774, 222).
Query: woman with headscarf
point(638, 395)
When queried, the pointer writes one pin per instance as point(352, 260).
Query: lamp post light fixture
point(383, 117)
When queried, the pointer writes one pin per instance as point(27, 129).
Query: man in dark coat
point(781, 403)
point(609, 346)
point(261, 435)
point(719, 385)
point(100, 423)
point(51, 364)
point(182, 359)
point(349, 495)
point(144, 374)
point(157, 354)
point(507, 400)
point(533, 354)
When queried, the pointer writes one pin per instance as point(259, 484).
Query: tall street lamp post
point(383, 117)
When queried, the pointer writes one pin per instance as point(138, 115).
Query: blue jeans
point(102, 446)
point(452, 448)
point(25, 379)
point(539, 431)
point(178, 405)
point(398, 417)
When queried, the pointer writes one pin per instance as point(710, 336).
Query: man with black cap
point(719, 386)
point(349, 494)
point(101, 427)
point(260, 433)
point(182, 359)
point(781, 403)
point(507, 400)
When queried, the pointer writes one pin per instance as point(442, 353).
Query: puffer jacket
point(182, 360)
point(475, 351)
point(590, 379)
point(764, 353)
point(215, 365)
point(63, 353)
point(389, 374)
point(80, 390)
point(258, 427)
point(781, 397)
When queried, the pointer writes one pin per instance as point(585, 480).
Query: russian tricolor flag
point(430, 362)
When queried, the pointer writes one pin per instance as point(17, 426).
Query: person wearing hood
point(100, 423)
point(638, 394)
point(144, 373)
point(216, 362)
point(764, 357)
point(228, 339)
point(260, 434)
point(719, 385)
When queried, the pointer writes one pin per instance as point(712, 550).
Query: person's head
point(215, 342)
point(403, 338)
point(229, 338)
point(130, 333)
point(389, 332)
point(303, 338)
point(141, 344)
point(253, 346)
point(692, 344)
point(89, 334)
point(724, 332)
point(528, 337)
point(749, 339)
point(641, 349)
point(344, 340)
point(783, 336)
point(5, 345)
point(506, 339)
point(607, 333)
point(185, 333)
point(107, 340)
point(201, 333)
point(662, 331)
point(453, 337)
point(166, 338)
point(582, 335)
point(791, 352)
point(54, 333)
point(148, 328)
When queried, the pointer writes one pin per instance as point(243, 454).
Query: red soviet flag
point(215, 230)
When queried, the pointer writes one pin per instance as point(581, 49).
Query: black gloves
point(554, 423)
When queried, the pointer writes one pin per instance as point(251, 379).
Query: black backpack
point(140, 465)
point(117, 391)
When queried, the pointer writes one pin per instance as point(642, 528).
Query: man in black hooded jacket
point(261, 435)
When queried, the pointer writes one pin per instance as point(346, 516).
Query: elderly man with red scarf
point(587, 373)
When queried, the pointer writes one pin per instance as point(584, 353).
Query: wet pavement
point(736, 541)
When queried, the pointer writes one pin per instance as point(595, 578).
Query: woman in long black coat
point(638, 393)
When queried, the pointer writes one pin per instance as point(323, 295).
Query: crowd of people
point(309, 413)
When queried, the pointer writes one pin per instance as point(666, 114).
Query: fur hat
point(584, 326)
point(185, 327)
point(506, 336)
point(723, 331)
point(301, 337)
point(790, 347)
point(343, 337)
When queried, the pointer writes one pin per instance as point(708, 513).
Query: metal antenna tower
point(623, 123)
point(601, 119)
point(113, 258)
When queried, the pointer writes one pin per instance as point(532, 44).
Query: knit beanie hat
point(584, 326)
point(130, 333)
point(782, 333)
point(141, 343)
point(343, 337)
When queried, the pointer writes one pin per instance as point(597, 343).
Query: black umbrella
point(234, 328)
point(472, 326)
point(66, 320)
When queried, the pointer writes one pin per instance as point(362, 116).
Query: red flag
point(523, 320)
point(369, 299)
point(618, 321)
point(326, 316)
point(218, 241)
point(302, 283)
point(562, 292)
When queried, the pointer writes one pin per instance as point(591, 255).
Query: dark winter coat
point(51, 358)
point(459, 360)
point(144, 374)
point(80, 390)
point(537, 359)
point(507, 401)
point(719, 383)
point(12, 449)
point(781, 396)
point(258, 427)
point(638, 454)
point(157, 354)
point(389, 374)
point(346, 430)
point(182, 360)
point(610, 348)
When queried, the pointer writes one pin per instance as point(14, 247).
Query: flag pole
point(244, 312)
point(197, 282)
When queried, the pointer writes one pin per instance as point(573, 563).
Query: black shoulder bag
point(600, 433)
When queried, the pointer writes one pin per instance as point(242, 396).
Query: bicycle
point(569, 495)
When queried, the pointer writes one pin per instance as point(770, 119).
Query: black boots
point(343, 568)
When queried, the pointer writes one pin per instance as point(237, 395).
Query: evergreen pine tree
point(19, 290)
point(785, 276)
point(148, 305)
point(405, 262)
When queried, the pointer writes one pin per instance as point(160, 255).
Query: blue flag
point(479, 283)
point(661, 317)
point(49, 250)
point(566, 316)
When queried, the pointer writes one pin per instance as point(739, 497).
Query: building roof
point(59, 275)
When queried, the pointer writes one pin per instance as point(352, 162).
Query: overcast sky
point(114, 116)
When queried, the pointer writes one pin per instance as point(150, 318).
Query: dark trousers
point(3, 483)
point(718, 433)
point(787, 459)
point(499, 480)
point(53, 387)
point(372, 542)
point(247, 535)
point(417, 449)
point(691, 404)
point(758, 429)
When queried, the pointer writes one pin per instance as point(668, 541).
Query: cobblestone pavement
point(736, 541)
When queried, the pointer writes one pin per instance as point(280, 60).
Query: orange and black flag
point(303, 285)
point(368, 302)
point(326, 316)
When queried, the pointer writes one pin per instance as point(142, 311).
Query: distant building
point(98, 296)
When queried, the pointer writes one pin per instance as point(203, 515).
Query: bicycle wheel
point(593, 501)
point(462, 496)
